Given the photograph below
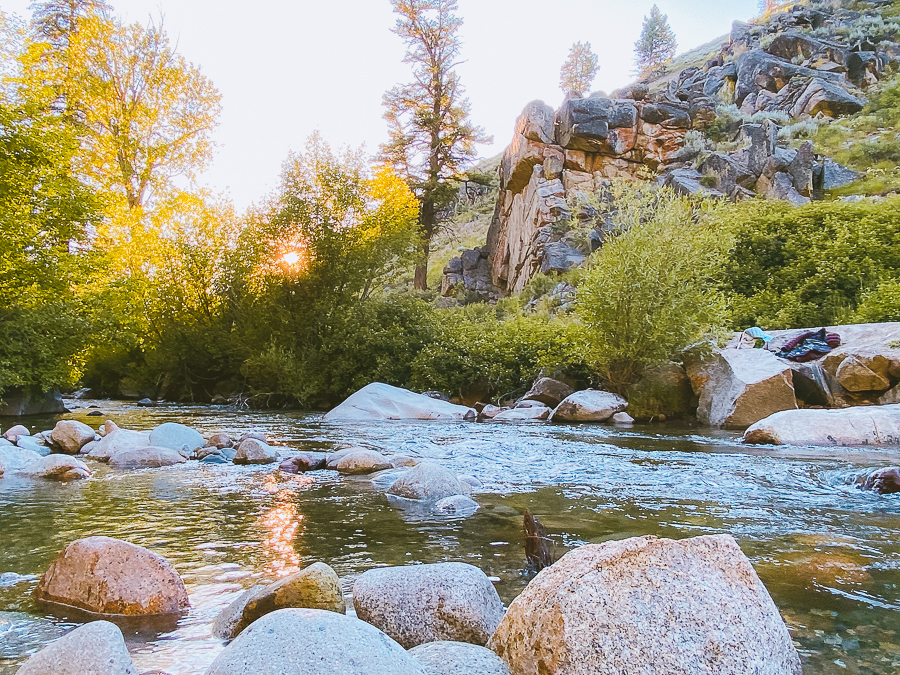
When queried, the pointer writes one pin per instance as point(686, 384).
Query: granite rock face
point(313, 642)
point(657, 605)
point(96, 648)
point(109, 576)
point(429, 603)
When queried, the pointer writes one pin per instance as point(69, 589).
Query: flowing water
point(828, 552)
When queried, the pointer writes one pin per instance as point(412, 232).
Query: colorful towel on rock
point(810, 346)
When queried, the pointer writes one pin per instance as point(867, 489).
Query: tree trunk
point(426, 223)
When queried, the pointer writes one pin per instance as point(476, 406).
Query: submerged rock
point(313, 642)
point(96, 648)
point(109, 576)
point(427, 481)
point(863, 425)
point(690, 606)
point(427, 603)
point(456, 504)
point(589, 405)
point(458, 658)
point(57, 467)
point(315, 587)
point(379, 401)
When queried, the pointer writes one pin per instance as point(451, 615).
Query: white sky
point(287, 68)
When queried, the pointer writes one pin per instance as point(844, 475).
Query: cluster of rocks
point(779, 70)
point(676, 606)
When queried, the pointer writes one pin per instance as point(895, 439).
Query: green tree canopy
point(579, 69)
point(656, 45)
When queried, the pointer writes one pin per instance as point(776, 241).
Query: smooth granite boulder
point(253, 451)
point(379, 401)
point(117, 440)
point(859, 426)
point(70, 436)
point(146, 458)
point(458, 658)
point(589, 405)
point(178, 437)
point(57, 467)
point(96, 648)
point(428, 481)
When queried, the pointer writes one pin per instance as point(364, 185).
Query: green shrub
point(880, 304)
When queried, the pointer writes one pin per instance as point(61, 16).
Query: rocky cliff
point(811, 63)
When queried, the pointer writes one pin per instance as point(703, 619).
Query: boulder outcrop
point(659, 605)
point(860, 426)
point(379, 401)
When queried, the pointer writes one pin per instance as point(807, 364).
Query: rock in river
point(458, 658)
point(863, 425)
point(96, 648)
point(145, 458)
point(305, 461)
point(313, 642)
point(661, 606)
point(110, 576)
point(548, 391)
point(315, 587)
point(57, 467)
point(117, 440)
point(70, 436)
point(362, 462)
point(379, 401)
point(253, 451)
point(426, 603)
point(428, 481)
point(12, 434)
point(15, 459)
point(177, 437)
point(883, 481)
point(589, 405)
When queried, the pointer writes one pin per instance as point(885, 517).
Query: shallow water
point(828, 553)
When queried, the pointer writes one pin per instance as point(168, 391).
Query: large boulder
point(600, 125)
point(18, 403)
point(536, 412)
point(109, 576)
point(177, 437)
point(96, 648)
point(378, 401)
point(458, 658)
point(14, 459)
point(253, 451)
point(548, 391)
point(12, 434)
point(57, 467)
point(315, 587)
point(738, 387)
point(145, 458)
point(362, 462)
point(426, 603)
point(313, 642)
point(305, 461)
point(427, 481)
point(864, 425)
point(664, 389)
point(883, 481)
point(679, 607)
point(116, 441)
point(590, 405)
point(70, 436)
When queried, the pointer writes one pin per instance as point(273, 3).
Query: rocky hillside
point(731, 128)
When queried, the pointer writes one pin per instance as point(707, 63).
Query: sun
point(290, 258)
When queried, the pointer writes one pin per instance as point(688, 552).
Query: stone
point(594, 124)
point(689, 606)
point(536, 412)
point(315, 587)
point(622, 418)
point(458, 658)
point(145, 458)
point(427, 603)
point(379, 401)
point(883, 481)
point(147, 403)
point(13, 433)
point(827, 98)
point(109, 576)
point(738, 387)
point(362, 462)
point(305, 461)
point(801, 169)
point(836, 176)
point(457, 504)
point(400, 461)
point(727, 171)
point(57, 467)
point(489, 412)
point(13, 460)
point(70, 436)
point(664, 389)
point(427, 481)
point(117, 440)
point(780, 187)
point(313, 642)
point(537, 123)
point(590, 405)
point(253, 451)
point(17, 403)
point(519, 162)
point(220, 441)
point(178, 437)
point(762, 139)
point(88, 448)
point(96, 648)
point(331, 461)
point(857, 426)
point(258, 435)
point(33, 443)
point(854, 374)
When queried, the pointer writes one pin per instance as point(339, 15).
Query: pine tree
point(431, 135)
point(657, 44)
point(767, 7)
point(579, 69)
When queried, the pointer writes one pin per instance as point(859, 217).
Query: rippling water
point(828, 553)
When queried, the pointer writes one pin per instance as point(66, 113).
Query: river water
point(828, 552)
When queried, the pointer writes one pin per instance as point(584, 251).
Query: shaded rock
point(536, 412)
point(559, 257)
point(145, 458)
point(253, 451)
point(694, 605)
point(427, 481)
point(836, 176)
point(116, 441)
point(456, 504)
point(109, 576)
point(315, 587)
point(537, 122)
point(865, 425)
point(13, 459)
point(258, 435)
point(362, 462)
point(662, 390)
point(17, 403)
point(88, 448)
point(738, 387)
point(489, 412)
point(221, 441)
point(313, 642)
point(883, 481)
point(471, 481)
point(590, 405)
point(458, 658)
point(854, 374)
point(305, 461)
point(378, 401)
point(428, 603)
point(780, 186)
point(178, 437)
point(96, 648)
point(597, 125)
point(827, 98)
point(13, 433)
point(548, 391)
point(57, 467)
point(147, 403)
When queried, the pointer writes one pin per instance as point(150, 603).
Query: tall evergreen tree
point(579, 69)
point(657, 44)
point(431, 136)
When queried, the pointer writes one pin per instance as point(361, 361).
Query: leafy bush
point(880, 304)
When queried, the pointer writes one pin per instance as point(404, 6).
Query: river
point(828, 552)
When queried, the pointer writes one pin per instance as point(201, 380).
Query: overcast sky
point(288, 68)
